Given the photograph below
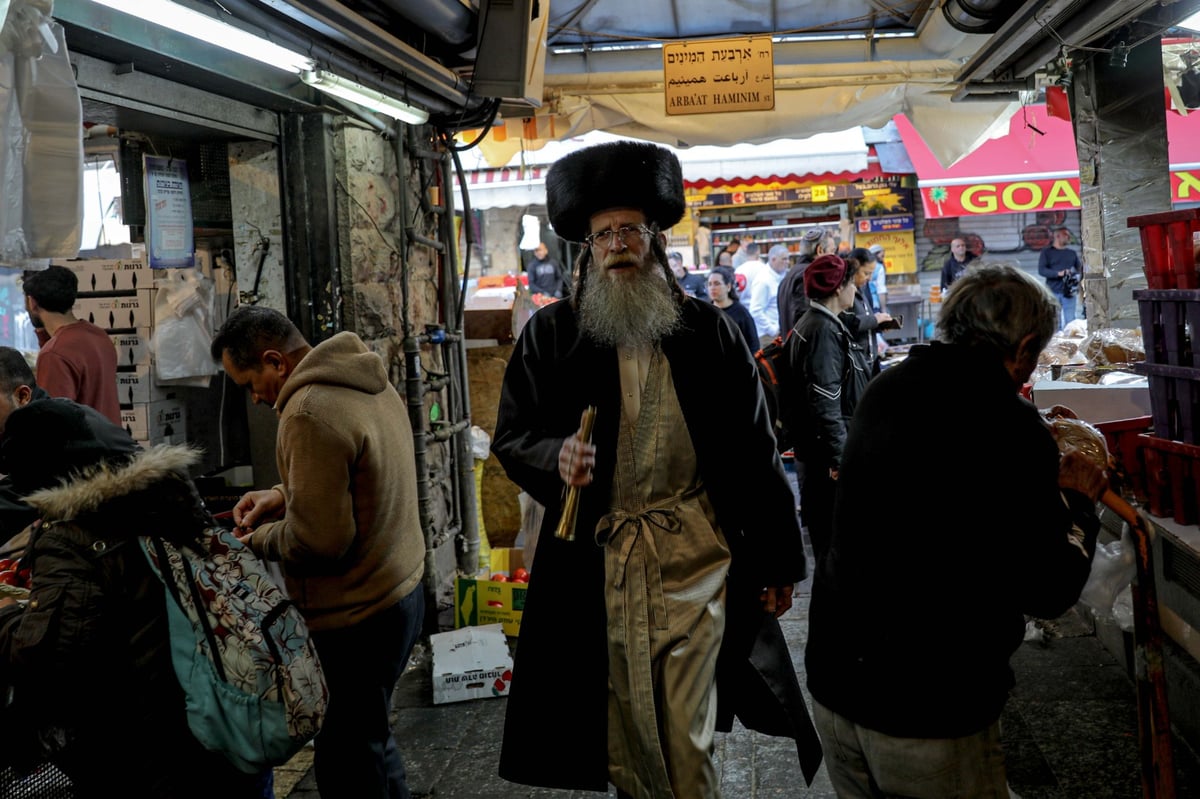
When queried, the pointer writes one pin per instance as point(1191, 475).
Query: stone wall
point(375, 277)
point(255, 199)
point(502, 233)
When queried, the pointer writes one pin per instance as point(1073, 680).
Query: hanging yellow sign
point(711, 76)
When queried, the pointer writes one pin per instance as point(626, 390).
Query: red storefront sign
point(1000, 197)
point(1185, 185)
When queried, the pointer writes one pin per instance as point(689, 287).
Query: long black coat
point(556, 725)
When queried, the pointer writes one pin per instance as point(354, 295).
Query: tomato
point(23, 576)
point(499, 578)
point(7, 564)
point(8, 578)
point(520, 576)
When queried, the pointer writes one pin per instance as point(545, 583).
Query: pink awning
point(1028, 170)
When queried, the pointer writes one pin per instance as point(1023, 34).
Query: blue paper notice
point(169, 239)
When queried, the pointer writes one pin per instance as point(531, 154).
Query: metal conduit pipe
point(449, 534)
point(977, 16)
point(425, 157)
point(449, 20)
point(999, 97)
point(414, 394)
point(357, 34)
point(990, 90)
point(427, 242)
point(995, 87)
point(469, 550)
point(438, 98)
point(443, 429)
point(448, 431)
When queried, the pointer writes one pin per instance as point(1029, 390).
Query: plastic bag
point(481, 443)
point(1114, 346)
point(41, 166)
point(1122, 609)
point(1113, 569)
point(183, 327)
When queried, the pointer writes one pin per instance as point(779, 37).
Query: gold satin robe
point(665, 568)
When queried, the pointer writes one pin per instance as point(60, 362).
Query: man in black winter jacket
point(912, 622)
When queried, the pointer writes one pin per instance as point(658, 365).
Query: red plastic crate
point(1170, 322)
point(1172, 478)
point(1174, 400)
point(1167, 248)
point(1121, 436)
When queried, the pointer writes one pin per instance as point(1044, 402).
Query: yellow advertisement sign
point(899, 249)
point(715, 75)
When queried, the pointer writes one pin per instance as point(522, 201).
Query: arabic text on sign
point(707, 76)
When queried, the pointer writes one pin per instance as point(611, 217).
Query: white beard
point(628, 310)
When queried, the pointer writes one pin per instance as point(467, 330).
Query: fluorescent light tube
point(368, 98)
point(213, 31)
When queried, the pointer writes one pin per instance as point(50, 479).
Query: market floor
point(1069, 729)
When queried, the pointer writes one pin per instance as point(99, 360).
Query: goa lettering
point(1020, 196)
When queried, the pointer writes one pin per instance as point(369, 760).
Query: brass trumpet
point(566, 523)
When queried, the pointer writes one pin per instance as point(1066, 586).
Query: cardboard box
point(95, 275)
point(470, 664)
point(480, 601)
point(138, 386)
point(1094, 403)
point(155, 421)
point(127, 311)
point(133, 349)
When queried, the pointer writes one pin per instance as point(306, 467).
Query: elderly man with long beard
point(686, 544)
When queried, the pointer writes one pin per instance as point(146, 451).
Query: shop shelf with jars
point(766, 236)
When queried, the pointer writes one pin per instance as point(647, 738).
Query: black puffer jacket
point(88, 657)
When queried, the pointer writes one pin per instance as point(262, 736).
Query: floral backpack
point(241, 650)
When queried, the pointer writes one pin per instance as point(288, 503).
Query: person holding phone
point(863, 322)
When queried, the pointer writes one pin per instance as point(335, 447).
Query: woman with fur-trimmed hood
point(88, 656)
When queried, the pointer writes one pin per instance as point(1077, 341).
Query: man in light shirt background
point(749, 270)
point(764, 305)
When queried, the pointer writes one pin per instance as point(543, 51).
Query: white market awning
point(521, 182)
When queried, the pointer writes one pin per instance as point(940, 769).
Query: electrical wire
point(468, 233)
point(485, 128)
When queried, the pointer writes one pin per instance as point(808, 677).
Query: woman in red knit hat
point(827, 375)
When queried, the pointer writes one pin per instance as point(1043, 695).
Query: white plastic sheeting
point(41, 147)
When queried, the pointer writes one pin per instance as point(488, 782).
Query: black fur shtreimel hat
point(621, 174)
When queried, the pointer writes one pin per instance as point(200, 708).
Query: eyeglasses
point(627, 233)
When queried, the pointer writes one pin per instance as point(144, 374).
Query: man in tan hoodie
point(345, 529)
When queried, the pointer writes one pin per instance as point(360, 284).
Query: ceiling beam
point(1024, 26)
point(1085, 28)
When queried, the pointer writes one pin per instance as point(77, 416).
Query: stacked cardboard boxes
point(118, 295)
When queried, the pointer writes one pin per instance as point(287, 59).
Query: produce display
point(14, 580)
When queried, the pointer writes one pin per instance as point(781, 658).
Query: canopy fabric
point(810, 100)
